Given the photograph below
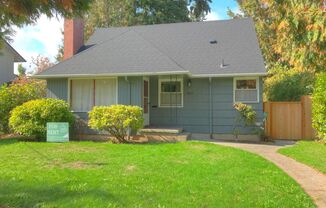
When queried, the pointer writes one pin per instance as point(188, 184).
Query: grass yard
point(308, 152)
point(188, 174)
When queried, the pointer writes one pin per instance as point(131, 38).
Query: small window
point(170, 93)
point(246, 90)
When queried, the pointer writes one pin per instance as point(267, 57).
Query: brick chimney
point(73, 36)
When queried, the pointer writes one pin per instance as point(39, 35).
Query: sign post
point(57, 132)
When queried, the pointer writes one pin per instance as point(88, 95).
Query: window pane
point(246, 84)
point(81, 95)
point(105, 92)
point(246, 96)
point(171, 99)
point(171, 86)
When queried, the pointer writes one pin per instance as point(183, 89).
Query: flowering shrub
point(246, 116)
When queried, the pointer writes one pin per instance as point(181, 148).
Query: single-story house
point(185, 75)
point(8, 56)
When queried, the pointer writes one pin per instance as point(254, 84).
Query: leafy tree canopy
point(290, 32)
point(115, 13)
point(18, 12)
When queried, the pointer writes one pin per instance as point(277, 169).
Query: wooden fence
point(289, 120)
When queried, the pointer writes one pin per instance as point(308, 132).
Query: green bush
point(16, 94)
point(319, 106)
point(246, 116)
point(116, 120)
point(288, 85)
point(30, 118)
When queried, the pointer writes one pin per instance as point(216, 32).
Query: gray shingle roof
point(168, 48)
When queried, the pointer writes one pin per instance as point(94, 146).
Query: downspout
point(127, 80)
point(210, 109)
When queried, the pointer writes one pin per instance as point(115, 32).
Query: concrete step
point(161, 131)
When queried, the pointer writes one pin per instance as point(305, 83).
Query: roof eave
point(148, 74)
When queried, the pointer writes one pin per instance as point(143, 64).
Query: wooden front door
point(146, 101)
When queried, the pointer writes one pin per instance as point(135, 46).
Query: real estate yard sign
point(57, 132)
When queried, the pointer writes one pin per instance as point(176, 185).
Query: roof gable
point(178, 48)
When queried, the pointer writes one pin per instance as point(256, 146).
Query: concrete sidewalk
point(312, 181)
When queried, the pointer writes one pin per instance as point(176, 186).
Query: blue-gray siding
point(195, 114)
point(57, 88)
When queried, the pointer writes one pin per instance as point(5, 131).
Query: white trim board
point(246, 78)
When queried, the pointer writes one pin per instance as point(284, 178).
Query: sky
point(44, 37)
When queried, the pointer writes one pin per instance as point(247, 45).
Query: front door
point(146, 101)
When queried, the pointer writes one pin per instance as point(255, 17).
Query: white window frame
point(90, 78)
point(159, 92)
point(235, 79)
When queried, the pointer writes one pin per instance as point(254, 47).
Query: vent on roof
point(223, 65)
point(213, 42)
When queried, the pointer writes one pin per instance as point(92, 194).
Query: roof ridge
point(174, 61)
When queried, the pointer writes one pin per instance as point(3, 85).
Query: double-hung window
point(170, 92)
point(86, 93)
point(246, 90)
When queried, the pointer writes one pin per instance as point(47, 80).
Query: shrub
point(288, 85)
point(246, 116)
point(16, 94)
point(116, 119)
point(30, 118)
point(319, 106)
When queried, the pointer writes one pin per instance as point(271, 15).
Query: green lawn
point(188, 174)
point(308, 152)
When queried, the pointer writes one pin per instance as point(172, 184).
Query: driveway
point(312, 181)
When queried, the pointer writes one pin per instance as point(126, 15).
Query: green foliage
point(16, 94)
point(319, 106)
point(21, 70)
point(30, 118)
point(116, 119)
point(288, 85)
point(246, 113)
point(116, 13)
point(290, 32)
point(246, 116)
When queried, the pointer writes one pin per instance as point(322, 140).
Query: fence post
point(303, 116)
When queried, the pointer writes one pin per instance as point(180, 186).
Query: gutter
point(148, 74)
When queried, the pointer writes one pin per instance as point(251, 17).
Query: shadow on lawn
point(16, 194)
point(8, 141)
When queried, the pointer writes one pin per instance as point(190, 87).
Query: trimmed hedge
point(319, 106)
point(116, 119)
point(30, 118)
point(15, 95)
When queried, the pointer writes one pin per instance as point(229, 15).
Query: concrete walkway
point(312, 181)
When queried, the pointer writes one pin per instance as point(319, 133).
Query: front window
point(86, 93)
point(170, 93)
point(246, 90)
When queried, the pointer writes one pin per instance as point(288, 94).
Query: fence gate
point(289, 120)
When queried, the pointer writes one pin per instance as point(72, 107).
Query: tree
point(289, 32)
point(41, 63)
point(117, 13)
point(59, 56)
point(21, 70)
point(19, 13)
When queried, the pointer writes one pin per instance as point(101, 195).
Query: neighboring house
point(185, 75)
point(8, 56)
